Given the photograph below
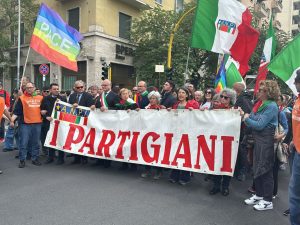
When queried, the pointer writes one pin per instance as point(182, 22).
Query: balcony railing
point(277, 6)
point(138, 4)
point(261, 10)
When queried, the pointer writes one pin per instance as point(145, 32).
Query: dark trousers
point(182, 175)
point(149, 168)
point(264, 186)
point(275, 175)
point(221, 179)
point(51, 154)
point(2, 128)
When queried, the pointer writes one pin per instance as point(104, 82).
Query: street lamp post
point(19, 43)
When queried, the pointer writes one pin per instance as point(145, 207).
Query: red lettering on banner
point(70, 138)
point(123, 135)
point(184, 142)
point(209, 155)
point(144, 147)
point(133, 146)
point(168, 145)
point(91, 138)
point(55, 131)
point(227, 148)
point(104, 145)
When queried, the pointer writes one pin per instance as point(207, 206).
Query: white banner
point(198, 141)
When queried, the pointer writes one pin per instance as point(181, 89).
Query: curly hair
point(271, 88)
point(231, 94)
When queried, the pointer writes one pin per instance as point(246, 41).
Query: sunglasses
point(134, 90)
point(208, 92)
point(225, 97)
point(79, 87)
point(46, 91)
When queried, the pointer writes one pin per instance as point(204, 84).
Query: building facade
point(105, 25)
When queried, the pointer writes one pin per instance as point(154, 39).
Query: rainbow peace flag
point(220, 82)
point(55, 40)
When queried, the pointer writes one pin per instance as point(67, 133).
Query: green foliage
point(9, 22)
point(151, 32)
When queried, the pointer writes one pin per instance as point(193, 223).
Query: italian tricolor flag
point(268, 54)
point(287, 62)
point(224, 26)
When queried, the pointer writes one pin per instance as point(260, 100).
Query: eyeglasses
point(80, 87)
point(208, 92)
point(225, 97)
point(29, 87)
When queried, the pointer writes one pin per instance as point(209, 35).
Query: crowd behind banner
point(265, 145)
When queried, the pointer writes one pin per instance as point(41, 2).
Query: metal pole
point(187, 64)
point(169, 62)
point(19, 44)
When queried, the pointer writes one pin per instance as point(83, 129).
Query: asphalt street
point(83, 194)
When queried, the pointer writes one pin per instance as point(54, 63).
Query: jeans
point(294, 191)
point(9, 138)
point(29, 140)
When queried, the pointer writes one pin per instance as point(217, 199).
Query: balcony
point(138, 4)
point(277, 24)
point(277, 6)
point(261, 10)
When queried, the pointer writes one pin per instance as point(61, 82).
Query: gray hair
point(231, 94)
point(155, 94)
point(79, 82)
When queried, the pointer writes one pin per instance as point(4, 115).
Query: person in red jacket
point(183, 102)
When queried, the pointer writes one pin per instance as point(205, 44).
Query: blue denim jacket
point(268, 117)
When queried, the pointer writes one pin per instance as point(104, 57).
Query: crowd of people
point(266, 139)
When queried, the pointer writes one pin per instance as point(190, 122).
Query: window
point(178, 5)
point(73, 18)
point(159, 1)
point(14, 34)
point(124, 25)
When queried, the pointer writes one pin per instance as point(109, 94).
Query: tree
point(151, 32)
point(9, 23)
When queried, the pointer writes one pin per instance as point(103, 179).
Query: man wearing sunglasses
point(45, 91)
point(80, 98)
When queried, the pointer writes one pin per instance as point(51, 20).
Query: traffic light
point(105, 68)
point(169, 73)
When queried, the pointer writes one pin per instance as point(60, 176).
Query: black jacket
point(112, 100)
point(48, 103)
point(168, 100)
point(244, 101)
point(85, 100)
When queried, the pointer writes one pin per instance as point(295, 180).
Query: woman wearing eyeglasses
point(208, 96)
point(263, 120)
point(227, 100)
point(183, 102)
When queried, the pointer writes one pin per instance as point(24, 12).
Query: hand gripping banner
point(197, 141)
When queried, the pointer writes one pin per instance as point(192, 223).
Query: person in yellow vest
point(4, 111)
point(294, 187)
point(28, 112)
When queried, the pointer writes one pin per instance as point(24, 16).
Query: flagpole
point(19, 44)
point(25, 65)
